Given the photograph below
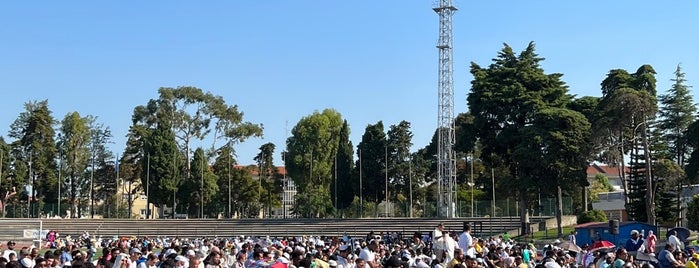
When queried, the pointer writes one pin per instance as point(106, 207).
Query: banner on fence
point(34, 234)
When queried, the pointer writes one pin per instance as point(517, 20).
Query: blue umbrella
point(682, 233)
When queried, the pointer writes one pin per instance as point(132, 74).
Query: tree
point(35, 144)
point(100, 136)
point(200, 188)
point(373, 148)
point(342, 186)
point(75, 139)
point(557, 140)
point(504, 99)
point(190, 113)
point(165, 165)
point(267, 173)
point(399, 141)
point(677, 110)
point(628, 107)
point(593, 215)
point(668, 187)
point(693, 214)
point(311, 152)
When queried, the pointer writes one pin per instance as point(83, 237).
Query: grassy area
point(548, 234)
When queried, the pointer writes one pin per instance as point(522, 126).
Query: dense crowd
point(438, 249)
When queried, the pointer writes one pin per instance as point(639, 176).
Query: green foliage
point(201, 183)
point(310, 156)
point(343, 174)
point(74, 141)
point(269, 179)
point(676, 113)
point(693, 214)
point(600, 184)
point(399, 141)
point(372, 162)
point(594, 215)
point(505, 98)
point(165, 164)
point(34, 141)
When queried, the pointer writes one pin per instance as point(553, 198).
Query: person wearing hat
point(342, 255)
point(634, 243)
point(136, 258)
point(10, 249)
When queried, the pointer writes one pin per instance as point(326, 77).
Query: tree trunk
point(559, 210)
point(585, 199)
point(524, 218)
point(650, 195)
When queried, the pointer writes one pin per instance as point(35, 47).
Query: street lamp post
point(492, 174)
point(472, 183)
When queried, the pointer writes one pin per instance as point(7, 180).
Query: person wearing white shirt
point(10, 249)
point(368, 254)
point(572, 238)
point(438, 242)
point(674, 241)
point(465, 239)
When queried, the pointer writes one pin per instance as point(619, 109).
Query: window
point(143, 212)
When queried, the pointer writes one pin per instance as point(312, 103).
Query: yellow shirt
point(691, 264)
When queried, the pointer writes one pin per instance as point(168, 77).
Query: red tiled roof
point(254, 171)
point(605, 170)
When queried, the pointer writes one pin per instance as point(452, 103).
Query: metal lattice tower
point(446, 161)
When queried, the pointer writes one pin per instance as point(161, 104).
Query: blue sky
point(282, 60)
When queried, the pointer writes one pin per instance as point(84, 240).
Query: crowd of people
point(438, 249)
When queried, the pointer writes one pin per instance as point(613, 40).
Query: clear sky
point(282, 60)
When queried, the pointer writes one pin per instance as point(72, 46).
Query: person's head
point(296, 257)
point(518, 260)
point(669, 247)
point(471, 262)
point(467, 228)
point(360, 263)
point(115, 252)
point(621, 254)
point(634, 234)
point(650, 232)
point(609, 259)
point(34, 253)
point(11, 245)
point(440, 226)
point(40, 262)
point(152, 260)
point(459, 254)
point(214, 258)
point(135, 254)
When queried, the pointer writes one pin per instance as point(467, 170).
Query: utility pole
point(472, 184)
point(385, 151)
point(201, 193)
point(361, 196)
point(148, 187)
point(118, 199)
point(92, 186)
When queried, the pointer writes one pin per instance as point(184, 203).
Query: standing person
point(634, 243)
point(368, 254)
point(675, 241)
point(342, 256)
point(465, 239)
point(651, 239)
point(572, 238)
point(438, 242)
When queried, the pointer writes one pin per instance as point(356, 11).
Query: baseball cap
point(135, 250)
